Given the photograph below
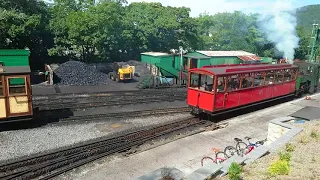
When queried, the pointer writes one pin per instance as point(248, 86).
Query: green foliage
point(234, 171)
point(314, 134)
point(290, 147)
point(106, 29)
point(308, 15)
point(285, 156)
point(279, 167)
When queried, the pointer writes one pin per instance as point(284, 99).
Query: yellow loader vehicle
point(121, 71)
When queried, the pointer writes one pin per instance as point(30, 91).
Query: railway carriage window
point(233, 83)
point(287, 75)
point(17, 86)
point(278, 77)
point(206, 82)
point(246, 81)
point(269, 78)
point(221, 84)
point(258, 80)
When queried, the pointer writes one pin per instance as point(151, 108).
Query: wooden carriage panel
point(19, 105)
point(19, 96)
point(3, 111)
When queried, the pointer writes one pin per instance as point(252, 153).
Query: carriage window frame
point(259, 76)
point(235, 85)
point(224, 81)
point(8, 86)
point(209, 79)
point(2, 94)
point(191, 82)
point(279, 74)
point(246, 76)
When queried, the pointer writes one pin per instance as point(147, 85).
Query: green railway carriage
point(15, 57)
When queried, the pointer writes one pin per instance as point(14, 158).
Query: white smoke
point(279, 24)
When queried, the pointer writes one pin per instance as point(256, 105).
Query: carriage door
point(17, 98)
point(3, 112)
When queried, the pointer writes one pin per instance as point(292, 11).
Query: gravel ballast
point(19, 143)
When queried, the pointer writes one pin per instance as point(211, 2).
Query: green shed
point(14, 57)
point(166, 63)
point(199, 59)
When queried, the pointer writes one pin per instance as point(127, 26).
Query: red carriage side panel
point(245, 96)
point(206, 100)
point(192, 97)
point(257, 94)
point(220, 101)
point(232, 99)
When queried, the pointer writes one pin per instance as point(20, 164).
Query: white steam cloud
point(279, 24)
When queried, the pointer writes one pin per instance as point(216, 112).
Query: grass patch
point(314, 134)
point(234, 171)
point(290, 147)
point(279, 167)
point(284, 156)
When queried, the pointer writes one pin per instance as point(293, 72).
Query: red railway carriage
point(217, 88)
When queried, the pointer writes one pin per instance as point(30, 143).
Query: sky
point(216, 6)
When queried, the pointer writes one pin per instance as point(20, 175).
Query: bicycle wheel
point(202, 160)
point(230, 151)
point(220, 157)
point(242, 148)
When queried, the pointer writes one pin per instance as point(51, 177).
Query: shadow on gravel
point(40, 118)
point(232, 114)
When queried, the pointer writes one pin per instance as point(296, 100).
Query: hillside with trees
point(112, 30)
point(307, 15)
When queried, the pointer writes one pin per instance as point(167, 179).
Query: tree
point(23, 24)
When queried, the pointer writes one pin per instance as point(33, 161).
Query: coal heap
point(79, 74)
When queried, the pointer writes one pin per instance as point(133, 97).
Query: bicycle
point(245, 149)
point(231, 150)
point(252, 146)
point(219, 157)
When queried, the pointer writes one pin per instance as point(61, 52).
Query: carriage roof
point(236, 69)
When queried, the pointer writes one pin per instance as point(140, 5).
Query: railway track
point(110, 94)
point(100, 102)
point(121, 115)
point(50, 164)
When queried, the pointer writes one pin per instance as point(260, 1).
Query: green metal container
point(14, 57)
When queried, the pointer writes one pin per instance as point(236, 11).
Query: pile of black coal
point(140, 68)
point(77, 73)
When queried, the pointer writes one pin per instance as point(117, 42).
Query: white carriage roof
point(155, 53)
point(225, 53)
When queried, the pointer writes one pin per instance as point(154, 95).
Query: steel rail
point(130, 114)
point(51, 164)
point(104, 102)
point(107, 93)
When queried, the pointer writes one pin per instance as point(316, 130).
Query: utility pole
point(181, 64)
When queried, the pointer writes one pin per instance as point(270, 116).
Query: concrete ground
point(185, 154)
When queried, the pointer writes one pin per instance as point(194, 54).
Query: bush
point(314, 134)
point(234, 171)
point(290, 147)
point(280, 167)
point(285, 156)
